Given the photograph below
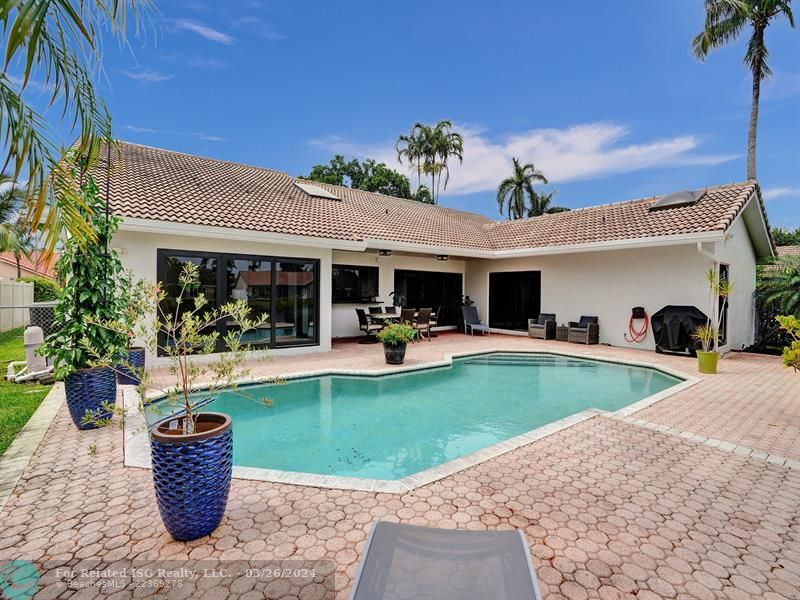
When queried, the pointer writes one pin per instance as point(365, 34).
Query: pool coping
point(136, 447)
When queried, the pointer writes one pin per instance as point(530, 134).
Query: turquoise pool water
point(391, 426)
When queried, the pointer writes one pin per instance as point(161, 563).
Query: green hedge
point(44, 289)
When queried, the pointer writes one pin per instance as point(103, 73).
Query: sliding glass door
point(428, 289)
point(514, 297)
point(286, 289)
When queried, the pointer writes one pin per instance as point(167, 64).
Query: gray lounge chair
point(471, 321)
point(423, 563)
point(585, 331)
point(543, 328)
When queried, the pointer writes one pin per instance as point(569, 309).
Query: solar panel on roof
point(686, 198)
point(315, 190)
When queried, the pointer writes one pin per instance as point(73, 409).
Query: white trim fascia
point(227, 233)
point(644, 242)
point(762, 221)
point(210, 231)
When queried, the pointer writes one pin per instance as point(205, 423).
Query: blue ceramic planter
point(135, 358)
point(192, 474)
point(88, 390)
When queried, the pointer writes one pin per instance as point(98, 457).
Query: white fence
point(15, 297)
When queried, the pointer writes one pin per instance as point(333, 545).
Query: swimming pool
point(390, 426)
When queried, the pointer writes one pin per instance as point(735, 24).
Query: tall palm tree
point(13, 236)
point(430, 148)
point(542, 204)
point(56, 47)
point(516, 191)
point(725, 20)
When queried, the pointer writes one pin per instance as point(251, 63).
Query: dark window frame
point(363, 300)
point(222, 286)
point(723, 305)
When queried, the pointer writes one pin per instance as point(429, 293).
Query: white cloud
point(201, 135)
point(207, 137)
point(581, 152)
point(136, 129)
point(260, 28)
point(205, 31)
point(773, 193)
point(145, 75)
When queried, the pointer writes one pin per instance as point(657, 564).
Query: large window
point(427, 289)
point(354, 283)
point(514, 297)
point(287, 289)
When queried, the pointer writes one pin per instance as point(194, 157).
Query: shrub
point(44, 289)
point(397, 334)
point(791, 354)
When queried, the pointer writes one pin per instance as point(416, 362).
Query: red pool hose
point(637, 335)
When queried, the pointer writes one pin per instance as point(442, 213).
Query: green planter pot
point(707, 362)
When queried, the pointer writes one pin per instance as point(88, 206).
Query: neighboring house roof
point(788, 250)
point(38, 263)
point(162, 185)
point(298, 278)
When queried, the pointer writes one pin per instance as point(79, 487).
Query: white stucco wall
point(607, 284)
point(344, 320)
point(138, 252)
point(737, 252)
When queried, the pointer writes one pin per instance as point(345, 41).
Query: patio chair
point(585, 331)
point(366, 325)
point(471, 321)
point(407, 315)
point(423, 324)
point(543, 328)
point(375, 310)
point(390, 310)
point(435, 315)
point(425, 563)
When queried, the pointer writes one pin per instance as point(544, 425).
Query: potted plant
point(192, 450)
point(91, 272)
point(131, 362)
point(708, 334)
point(395, 338)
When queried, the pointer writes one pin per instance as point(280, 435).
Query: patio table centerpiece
point(395, 338)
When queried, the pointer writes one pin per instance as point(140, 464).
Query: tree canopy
point(369, 175)
point(786, 237)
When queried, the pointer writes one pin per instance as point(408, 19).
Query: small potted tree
point(708, 334)
point(91, 272)
point(134, 302)
point(395, 338)
point(191, 450)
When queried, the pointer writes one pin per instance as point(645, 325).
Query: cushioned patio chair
point(543, 328)
point(375, 310)
point(366, 325)
point(585, 331)
point(423, 324)
point(390, 310)
point(408, 561)
point(407, 315)
point(471, 321)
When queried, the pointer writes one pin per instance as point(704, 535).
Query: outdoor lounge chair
point(471, 321)
point(543, 328)
point(585, 331)
point(366, 325)
point(424, 563)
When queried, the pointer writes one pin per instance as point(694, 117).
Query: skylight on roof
point(676, 200)
point(315, 190)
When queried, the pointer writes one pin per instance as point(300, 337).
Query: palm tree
point(542, 204)
point(725, 20)
point(430, 148)
point(13, 237)
point(778, 286)
point(56, 45)
point(516, 191)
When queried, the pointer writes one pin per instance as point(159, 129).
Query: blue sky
point(605, 97)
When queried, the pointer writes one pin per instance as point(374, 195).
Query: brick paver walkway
point(612, 509)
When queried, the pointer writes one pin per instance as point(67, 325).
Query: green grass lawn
point(18, 401)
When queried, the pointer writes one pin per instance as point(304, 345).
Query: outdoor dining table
point(394, 317)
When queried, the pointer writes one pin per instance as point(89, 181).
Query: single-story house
point(346, 249)
point(38, 264)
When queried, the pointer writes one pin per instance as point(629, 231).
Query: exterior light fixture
point(384, 252)
point(442, 257)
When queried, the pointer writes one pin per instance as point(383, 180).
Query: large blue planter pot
point(192, 474)
point(87, 390)
point(134, 358)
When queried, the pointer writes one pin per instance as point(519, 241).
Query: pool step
point(527, 361)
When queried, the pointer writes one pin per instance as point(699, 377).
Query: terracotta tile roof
point(788, 251)
point(714, 211)
point(151, 183)
point(37, 263)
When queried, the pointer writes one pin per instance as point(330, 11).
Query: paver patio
point(645, 507)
